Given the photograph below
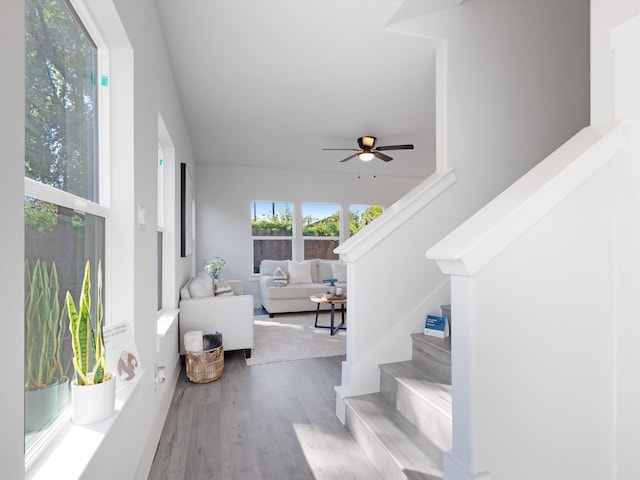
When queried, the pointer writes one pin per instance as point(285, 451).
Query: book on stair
point(436, 326)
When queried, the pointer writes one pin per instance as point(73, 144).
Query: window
point(168, 238)
point(271, 231)
point(65, 217)
point(160, 239)
point(320, 230)
point(361, 215)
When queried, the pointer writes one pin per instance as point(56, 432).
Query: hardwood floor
point(265, 422)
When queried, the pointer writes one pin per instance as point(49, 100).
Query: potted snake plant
point(93, 390)
point(44, 374)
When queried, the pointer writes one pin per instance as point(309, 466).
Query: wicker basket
point(205, 366)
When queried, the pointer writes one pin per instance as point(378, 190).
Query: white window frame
point(47, 193)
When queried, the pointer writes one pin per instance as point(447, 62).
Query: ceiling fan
point(368, 150)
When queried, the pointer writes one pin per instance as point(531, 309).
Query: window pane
point(267, 249)
point(66, 239)
point(271, 218)
point(160, 268)
point(361, 215)
point(61, 100)
point(320, 249)
point(320, 220)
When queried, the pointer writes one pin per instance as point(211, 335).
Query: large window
point(271, 231)
point(65, 219)
point(321, 230)
point(278, 235)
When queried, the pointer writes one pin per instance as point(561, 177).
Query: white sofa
point(294, 297)
point(232, 315)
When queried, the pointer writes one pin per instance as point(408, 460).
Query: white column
point(462, 462)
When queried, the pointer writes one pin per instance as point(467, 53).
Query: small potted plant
point(43, 341)
point(214, 267)
point(93, 390)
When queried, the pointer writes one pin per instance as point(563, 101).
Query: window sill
point(166, 318)
point(72, 447)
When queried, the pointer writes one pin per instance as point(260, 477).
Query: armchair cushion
point(201, 286)
point(221, 287)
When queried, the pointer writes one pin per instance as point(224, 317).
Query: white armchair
point(232, 315)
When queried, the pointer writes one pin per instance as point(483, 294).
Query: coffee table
point(333, 301)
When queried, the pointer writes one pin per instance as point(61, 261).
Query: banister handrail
point(395, 215)
point(499, 223)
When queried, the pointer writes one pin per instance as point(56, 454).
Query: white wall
point(518, 87)
point(12, 238)
point(224, 195)
point(133, 438)
point(543, 345)
point(141, 75)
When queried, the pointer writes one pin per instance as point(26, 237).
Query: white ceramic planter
point(92, 403)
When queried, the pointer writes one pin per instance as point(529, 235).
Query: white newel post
point(464, 460)
point(625, 43)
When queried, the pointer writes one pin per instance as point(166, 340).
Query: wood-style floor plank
point(273, 421)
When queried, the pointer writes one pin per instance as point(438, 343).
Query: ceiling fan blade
point(382, 156)
point(350, 157)
point(345, 149)
point(395, 147)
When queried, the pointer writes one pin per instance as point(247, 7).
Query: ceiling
point(270, 83)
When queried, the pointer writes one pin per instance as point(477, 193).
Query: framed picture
point(186, 209)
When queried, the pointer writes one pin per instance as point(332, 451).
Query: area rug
point(291, 336)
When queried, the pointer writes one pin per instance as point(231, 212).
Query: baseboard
point(454, 470)
point(148, 454)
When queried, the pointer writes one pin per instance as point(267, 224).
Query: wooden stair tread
point(414, 452)
point(423, 384)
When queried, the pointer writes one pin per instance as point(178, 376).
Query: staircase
point(406, 427)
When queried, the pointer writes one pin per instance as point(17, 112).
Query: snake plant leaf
point(80, 327)
point(43, 326)
point(100, 361)
point(88, 344)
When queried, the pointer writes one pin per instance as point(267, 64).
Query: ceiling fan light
point(366, 156)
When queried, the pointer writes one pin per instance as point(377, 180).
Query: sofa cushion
point(339, 271)
point(279, 277)
point(299, 272)
point(296, 291)
point(324, 269)
point(201, 286)
point(267, 267)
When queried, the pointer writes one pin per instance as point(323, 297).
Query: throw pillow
point(339, 271)
point(299, 272)
point(222, 288)
point(279, 277)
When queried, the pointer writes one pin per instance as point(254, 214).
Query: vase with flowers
point(214, 267)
